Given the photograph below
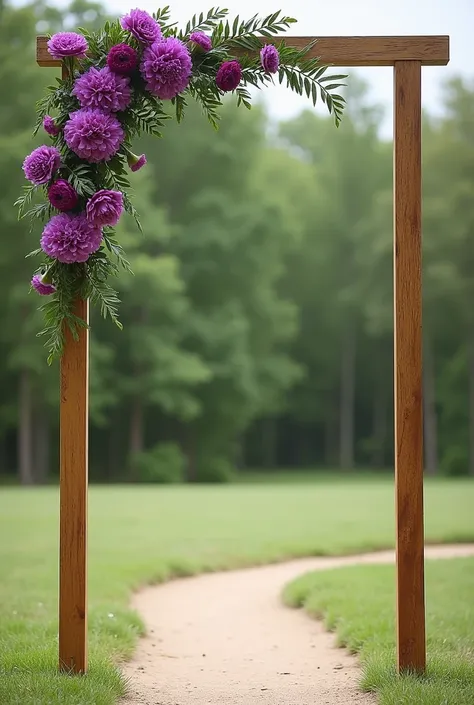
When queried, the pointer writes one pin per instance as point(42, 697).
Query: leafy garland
point(115, 85)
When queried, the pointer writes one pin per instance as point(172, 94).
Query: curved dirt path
point(227, 639)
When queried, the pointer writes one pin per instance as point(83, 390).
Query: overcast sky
point(354, 17)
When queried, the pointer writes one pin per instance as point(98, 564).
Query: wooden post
point(411, 646)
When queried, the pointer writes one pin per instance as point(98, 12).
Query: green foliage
point(162, 464)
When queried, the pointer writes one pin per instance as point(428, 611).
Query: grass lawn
point(146, 534)
point(358, 602)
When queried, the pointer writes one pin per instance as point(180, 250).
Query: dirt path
point(226, 639)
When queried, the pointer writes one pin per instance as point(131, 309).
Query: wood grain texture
point(73, 499)
point(343, 51)
point(411, 646)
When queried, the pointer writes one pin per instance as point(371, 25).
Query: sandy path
point(226, 639)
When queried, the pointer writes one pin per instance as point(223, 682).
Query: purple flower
point(104, 208)
point(70, 238)
point(136, 162)
point(40, 165)
point(64, 44)
point(62, 195)
point(41, 286)
point(122, 59)
point(50, 126)
point(270, 58)
point(229, 75)
point(166, 68)
point(201, 40)
point(101, 88)
point(93, 135)
point(142, 26)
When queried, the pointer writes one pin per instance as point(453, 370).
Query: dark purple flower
point(122, 59)
point(136, 162)
point(50, 126)
point(270, 58)
point(166, 68)
point(103, 89)
point(70, 238)
point(40, 165)
point(142, 26)
point(62, 195)
point(41, 286)
point(93, 135)
point(229, 75)
point(64, 44)
point(104, 208)
point(202, 40)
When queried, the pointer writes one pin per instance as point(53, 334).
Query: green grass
point(146, 534)
point(358, 603)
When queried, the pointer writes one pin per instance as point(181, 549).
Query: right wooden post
point(411, 641)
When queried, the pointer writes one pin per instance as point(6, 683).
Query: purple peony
point(104, 208)
point(50, 126)
point(122, 59)
point(93, 135)
point(270, 58)
point(136, 162)
point(62, 195)
point(40, 165)
point(229, 75)
point(41, 286)
point(142, 26)
point(64, 44)
point(70, 238)
point(166, 68)
point(202, 40)
point(103, 89)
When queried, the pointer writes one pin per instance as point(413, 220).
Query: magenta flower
point(202, 40)
point(93, 135)
point(166, 68)
point(62, 195)
point(50, 126)
point(270, 58)
point(41, 164)
point(70, 238)
point(103, 89)
point(41, 286)
point(64, 44)
point(104, 208)
point(122, 59)
point(229, 76)
point(142, 26)
point(136, 162)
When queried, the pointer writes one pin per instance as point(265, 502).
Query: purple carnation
point(62, 195)
point(42, 287)
point(70, 238)
point(142, 26)
point(93, 135)
point(64, 44)
point(103, 89)
point(229, 75)
point(40, 165)
point(270, 58)
point(201, 40)
point(166, 68)
point(122, 59)
point(136, 162)
point(104, 208)
point(50, 126)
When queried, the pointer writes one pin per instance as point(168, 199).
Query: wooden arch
point(407, 54)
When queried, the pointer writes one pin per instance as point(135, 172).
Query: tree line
point(258, 325)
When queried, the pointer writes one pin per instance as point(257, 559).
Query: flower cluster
point(114, 86)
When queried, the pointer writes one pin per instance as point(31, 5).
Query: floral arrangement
point(117, 84)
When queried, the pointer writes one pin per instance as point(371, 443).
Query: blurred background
point(258, 325)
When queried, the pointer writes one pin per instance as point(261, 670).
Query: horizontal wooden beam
point(344, 51)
